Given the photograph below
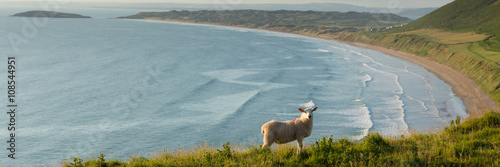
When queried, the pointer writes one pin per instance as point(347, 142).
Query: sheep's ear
point(301, 110)
point(314, 109)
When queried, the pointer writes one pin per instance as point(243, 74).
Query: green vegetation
point(52, 14)
point(480, 16)
point(446, 37)
point(475, 142)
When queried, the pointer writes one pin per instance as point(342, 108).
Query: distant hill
point(51, 14)
point(479, 16)
point(412, 13)
point(282, 18)
point(415, 13)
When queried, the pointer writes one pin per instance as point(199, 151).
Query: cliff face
point(51, 14)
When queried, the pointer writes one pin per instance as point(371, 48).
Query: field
point(496, 3)
point(445, 37)
point(476, 50)
point(469, 43)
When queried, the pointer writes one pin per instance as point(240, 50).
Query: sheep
point(286, 131)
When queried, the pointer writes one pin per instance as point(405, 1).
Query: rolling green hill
point(480, 16)
point(477, 16)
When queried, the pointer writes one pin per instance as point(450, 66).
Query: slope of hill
point(480, 16)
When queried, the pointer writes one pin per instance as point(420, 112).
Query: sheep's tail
point(263, 130)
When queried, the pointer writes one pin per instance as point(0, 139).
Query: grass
point(480, 16)
point(475, 142)
point(446, 37)
point(496, 3)
point(482, 50)
point(476, 50)
point(468, 43)
point(461, 48)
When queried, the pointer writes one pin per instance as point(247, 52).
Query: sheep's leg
point(299, 145)
point(268, 141)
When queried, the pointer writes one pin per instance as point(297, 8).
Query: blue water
point(128, 87)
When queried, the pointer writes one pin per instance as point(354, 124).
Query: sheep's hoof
point(265, 150)
point(303, 155)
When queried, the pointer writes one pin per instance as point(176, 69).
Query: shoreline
point(475, 100)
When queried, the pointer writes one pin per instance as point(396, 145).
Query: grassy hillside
point(464, 19)
point(475, 142)
point(465, 16)
point(480, 16)
point(447, 37)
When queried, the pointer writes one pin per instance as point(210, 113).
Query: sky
point(366, 3)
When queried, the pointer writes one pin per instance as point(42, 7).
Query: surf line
point(12, 106)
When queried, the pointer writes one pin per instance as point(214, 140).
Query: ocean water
point(130, 87)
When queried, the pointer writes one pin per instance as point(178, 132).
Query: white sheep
point(286, 131)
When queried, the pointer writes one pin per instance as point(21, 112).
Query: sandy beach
point(475, 99)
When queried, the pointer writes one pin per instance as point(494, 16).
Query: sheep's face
point(307, 113)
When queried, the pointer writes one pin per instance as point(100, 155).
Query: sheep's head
point(308, 112)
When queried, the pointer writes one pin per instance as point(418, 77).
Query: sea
point(133, 87)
